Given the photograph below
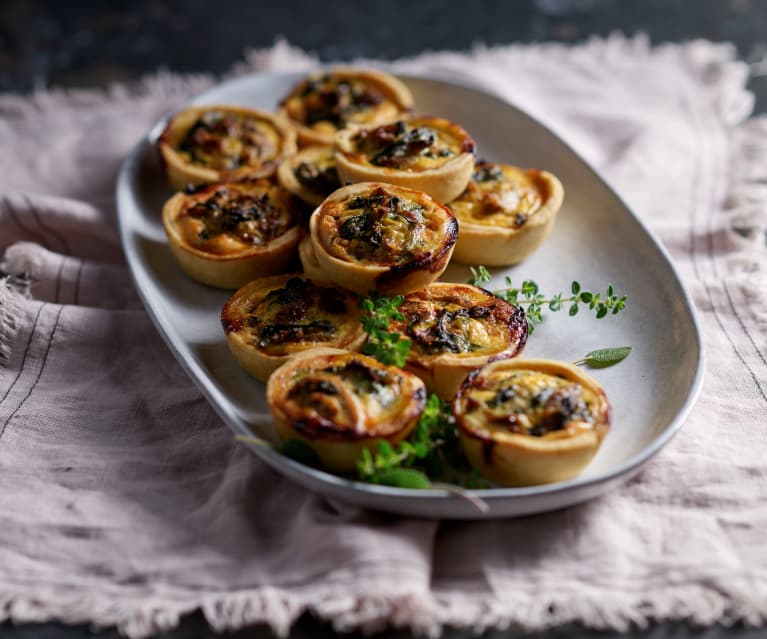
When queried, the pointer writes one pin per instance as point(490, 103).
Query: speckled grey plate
point(596, 240)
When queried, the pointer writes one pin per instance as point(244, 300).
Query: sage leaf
point(604, 357)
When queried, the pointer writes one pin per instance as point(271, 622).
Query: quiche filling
point(414, 145)
point(353, 393)
point(227, 140)
point(529, 402)
point(383, 228)
point(319, 177)
point(301, 314)
point(230, 218)
point(500, 195)
point(330, 103)
point(460, 325)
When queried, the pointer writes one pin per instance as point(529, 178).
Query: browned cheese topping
point(226, 141)
point(319, 177)
point(530, 402)
point(352, 395)
point(301, 313)
point(223, 219)
point(332, 102)
point(387, 229)
point(417, 145)
point(500, 195)
point(462, 323)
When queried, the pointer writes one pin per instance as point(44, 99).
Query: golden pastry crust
point(505, 213)
point(309, 263)
point(525, 422)
point(341, 403)
point(374, 236)
point(271, 319)
point(310, 174)
point(225, 235)
point(328, 101)
point(454, 329)
point(220, 143)
point(429, 154)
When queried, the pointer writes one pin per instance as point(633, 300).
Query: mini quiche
point(310, 174)
point(206, 144)
point(525, 422)
point(328, 101)
point(225, 235)
point(429, 154)
point(271, 319)
point(505, 213)
point(374, 236)
point(341, 403)
point(454, 329)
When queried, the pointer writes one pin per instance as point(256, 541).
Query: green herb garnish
point(432, 451)
point(401, 478)
point(432, 456)
point(529, 296)
point(378, 313)
point(605, 357)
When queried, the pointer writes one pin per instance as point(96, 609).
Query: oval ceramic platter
point(596, 240)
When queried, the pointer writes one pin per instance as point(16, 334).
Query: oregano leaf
point(401, 478)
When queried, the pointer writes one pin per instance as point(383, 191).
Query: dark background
point(45, 44)
point(55, 43)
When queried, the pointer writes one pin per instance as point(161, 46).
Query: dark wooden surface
point(46, 43)
point(51, 43)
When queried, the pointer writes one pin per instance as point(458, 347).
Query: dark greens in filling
point(392, 145)
point(208, 141)
point(283, 314)
point(383, 226)
point(444, 333)
point(318, 394)
point(363, 378)
point(485, 172)
point(327, 99)
point(253, 219)
point(317, 180)
point(548, 410)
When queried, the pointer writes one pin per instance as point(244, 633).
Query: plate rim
point(275, 459)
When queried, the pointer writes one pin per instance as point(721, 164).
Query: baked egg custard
point(340, 403)
point(225, 235)
point(271, 319)
point(374, 236)
point(328, 101)
point(206, 144)
point(505, 213)
point(454, 329)
point(524, 422)
point(425, 153)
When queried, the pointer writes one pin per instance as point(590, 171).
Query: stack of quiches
point(341, 193)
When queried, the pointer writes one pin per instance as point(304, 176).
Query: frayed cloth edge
point(422, 613)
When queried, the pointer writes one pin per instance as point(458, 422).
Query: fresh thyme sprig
point(378, 312)
point(529, 296)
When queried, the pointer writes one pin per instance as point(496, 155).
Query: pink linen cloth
point(124, 500)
